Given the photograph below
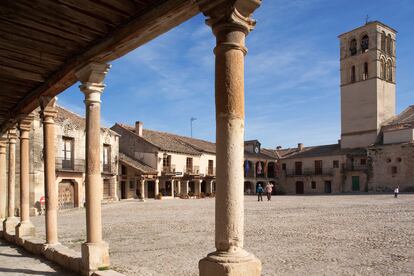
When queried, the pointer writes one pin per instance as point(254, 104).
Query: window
point(389, 44)
point(166, 161)
point(67, 161)
point(298, 168)
point(313, 184)
point(365, 75)
point(210, 167)
point(383, 37)
point(283, 166)
point(363, 162)
point(318, 167)
point(106, 188)
point(353, 79)
point(131, 185)
point(364, 43)
point(383, 69)
point(106, 158)
point(123, 170)
point(335, 164)
point(353, 47)
point(189, 164)
point(389, 71)
point(394, 170)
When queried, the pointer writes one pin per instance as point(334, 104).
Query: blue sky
point(291, 76)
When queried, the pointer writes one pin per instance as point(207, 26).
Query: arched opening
point(260, 168)
point(353, 74)
point(389, 44)
point(383, 37)
point(271, 169)
point(248, 169)
point(389, 70)
point(248, 188)
point(353, 47)
point(203, 187)
point(364, 43)
point(383, 69)
point(365, 74)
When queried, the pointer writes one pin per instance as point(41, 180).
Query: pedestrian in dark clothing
point(396, 191)
point(259, 191)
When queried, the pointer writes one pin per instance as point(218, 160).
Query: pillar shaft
point(24, 128)
point(48, 113)
point(178, 187)
point(12, 173)
point(157, 187)
point(172, 187)
point(231, 22)
point(3, 180)
point(142, 188)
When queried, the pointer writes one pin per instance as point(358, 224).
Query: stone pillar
point(95, 252)
point(25, 228)
point(172, 188)
point(10, 223)
point(48, 113)
point(231, 22)
point(142, 189)
point(209, 186)
point(157, 187)
point(178, 187)
point(3, 180)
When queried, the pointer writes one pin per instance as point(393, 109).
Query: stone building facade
point(376, 152)
point(153, 162)
point(70, 161)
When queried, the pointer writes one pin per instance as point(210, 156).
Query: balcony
point(106, 168)
point(71, 165)
point(309, 172)
point(168, 170)
point(195, 170)
point(351, 167)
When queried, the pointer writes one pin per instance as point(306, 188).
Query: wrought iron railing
point(76, 165)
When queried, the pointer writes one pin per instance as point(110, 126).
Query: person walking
point(396, 191)
point(268, 190)
point(259, 191)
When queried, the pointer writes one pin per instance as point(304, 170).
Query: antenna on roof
point(366, 19)
point(191, 125)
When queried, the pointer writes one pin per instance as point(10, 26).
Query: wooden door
point(299, 187)
point(355, 183)
point(66, 195)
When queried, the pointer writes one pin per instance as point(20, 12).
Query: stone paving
point(295, 235)
point(15, 261)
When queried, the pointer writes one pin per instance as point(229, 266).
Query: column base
point(24, 229)
point(95, 256)
point(9, 225)
point(241, 263)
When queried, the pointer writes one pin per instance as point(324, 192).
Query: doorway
point(328, 187)
point(151, 189)
point(299, 188)
point(203, 187)
point(355, 183)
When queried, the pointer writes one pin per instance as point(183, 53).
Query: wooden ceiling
point(43, 42)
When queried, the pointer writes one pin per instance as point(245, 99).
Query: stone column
point(178, 187)
point(95, 252)
point(48, 113)
point(231, 22)
point(3, 180)
point(209, 186)
point(142, 189)
point(157, 187)
point(172, 188)
point(25, 228)
point(10, 223)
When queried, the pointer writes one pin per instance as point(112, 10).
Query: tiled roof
point(260, 155)
point(136, 164)
point(403, 120)
point(164, 141)
point(201, 145)
point(315, 151)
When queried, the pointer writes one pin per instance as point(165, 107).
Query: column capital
point(91, 77)
point(12, 135)
point(25, 123)
point(230, 14)
point(48, 111)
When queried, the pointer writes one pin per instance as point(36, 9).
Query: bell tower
point(367, 61)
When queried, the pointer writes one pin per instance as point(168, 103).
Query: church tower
point(367, 58)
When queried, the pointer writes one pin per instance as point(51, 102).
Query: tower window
point(365, 75)
point(353, 74)
point(353, 47)
point(383, 69)
point(389, 71)
point(383, 36)
point(389, 44)
point(364, 43)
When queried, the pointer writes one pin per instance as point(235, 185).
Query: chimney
point(300, 146)
point(138, 128)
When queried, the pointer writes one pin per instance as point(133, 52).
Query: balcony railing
point(192, 170)
point(106, 168)
point(74, 165)
point(168, 169)
point(351, 167)
point(309, 172)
